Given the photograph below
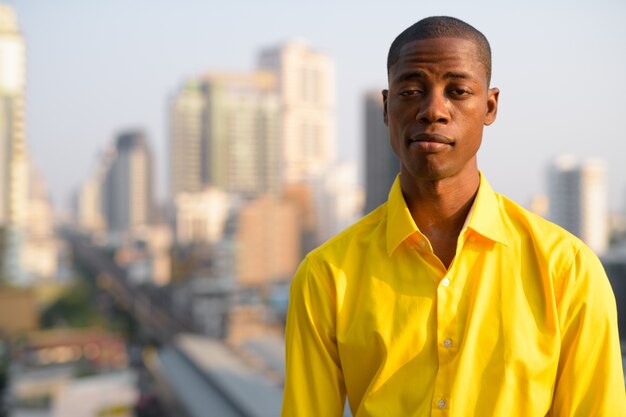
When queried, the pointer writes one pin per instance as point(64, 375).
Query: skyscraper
point(128, 186)
point(381, 163)
point(241, 132)
point(13, 155)
point(187, 109)
point(224, 133)
point(578, 199)
point(306, 87)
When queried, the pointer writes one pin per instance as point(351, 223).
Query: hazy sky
point(98, 67)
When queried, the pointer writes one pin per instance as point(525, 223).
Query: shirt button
point(447, 343)
point(422, 243)
point(441, 403)
point(445, 282)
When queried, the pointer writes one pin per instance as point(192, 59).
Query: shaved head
point(442, 27)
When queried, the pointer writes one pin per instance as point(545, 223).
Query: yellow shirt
point(522, 324)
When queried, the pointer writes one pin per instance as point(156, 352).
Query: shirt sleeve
point(590, 380)
point(314, 384)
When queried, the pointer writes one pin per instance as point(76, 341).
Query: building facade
point(13, 152)
point(578, 199)
point(128, 187)
point(201, 217)
point(267, 242)
point(306, 87)
point(90, 204)
point(13, 164)
point(224, 133)
point(41, 248)
point(241, 132)
point(339, 199)
point(381, 162)
point(187, 111)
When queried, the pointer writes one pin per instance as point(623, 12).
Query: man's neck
point(440, 208)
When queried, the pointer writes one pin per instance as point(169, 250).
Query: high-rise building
point(578, 199)
point(29, 247)
point(241, 132)
point(306, 87)
point(381, 162)
point(13, 153)
point(187, 110)
point(224, 133)
point(128, 187)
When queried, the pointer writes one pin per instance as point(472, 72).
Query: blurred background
point(165, 165)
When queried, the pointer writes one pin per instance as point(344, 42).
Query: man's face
point(436, 106)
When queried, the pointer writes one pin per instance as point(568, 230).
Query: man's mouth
point(424, 137)
point(430, 143)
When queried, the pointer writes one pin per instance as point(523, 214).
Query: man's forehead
point(454, 51)
point(444, 45)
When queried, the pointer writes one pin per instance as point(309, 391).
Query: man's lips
point(430, 143)
point(425, 137)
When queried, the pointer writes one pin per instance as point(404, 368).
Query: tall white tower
point(13, 155)
point(306, 84)
point(13, 164)
point(578, 196)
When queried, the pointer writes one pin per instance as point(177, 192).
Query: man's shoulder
point(525, 226)
point(371, 227)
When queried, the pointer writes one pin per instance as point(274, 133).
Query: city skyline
point(86, 82)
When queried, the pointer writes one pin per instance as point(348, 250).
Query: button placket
point(444, 317)
point(447, 303)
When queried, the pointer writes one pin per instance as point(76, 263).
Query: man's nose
point(434, 109)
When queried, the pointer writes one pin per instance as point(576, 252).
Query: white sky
point(98, 67)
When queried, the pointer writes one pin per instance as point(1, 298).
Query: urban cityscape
point(133, 305)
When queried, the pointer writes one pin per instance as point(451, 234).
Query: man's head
point(442, 27)
point(439, 99)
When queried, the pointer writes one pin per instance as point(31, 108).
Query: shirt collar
point(484, 217)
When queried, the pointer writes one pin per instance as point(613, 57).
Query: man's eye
point(459, 92)
point(411, 92)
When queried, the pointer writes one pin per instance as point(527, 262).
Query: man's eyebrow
point(451, 74)
point(410, 75)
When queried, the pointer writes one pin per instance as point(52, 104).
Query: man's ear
point(492, 105)
point(385, 95)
